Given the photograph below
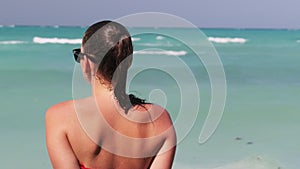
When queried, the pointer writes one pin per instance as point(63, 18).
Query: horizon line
point(204, 27)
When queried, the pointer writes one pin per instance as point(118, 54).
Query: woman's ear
point(86, 69)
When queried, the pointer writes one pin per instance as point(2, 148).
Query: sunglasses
point(78, 55)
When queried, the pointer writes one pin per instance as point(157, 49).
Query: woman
point(110, 129)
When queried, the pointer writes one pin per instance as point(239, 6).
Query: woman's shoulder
point(66, 107)
point(163, 111)
point(60, 108)
point(59, 114)
point(163, 121)
point(159, 113)
point(66, 110)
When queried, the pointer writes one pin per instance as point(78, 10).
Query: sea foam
point(227, 40)
point(156, 44)
point(12, 42)
point(159, 37)
point(41, 40)
point(161, 52)
point(135, 39)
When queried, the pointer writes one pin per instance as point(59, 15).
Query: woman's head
point(110, 43)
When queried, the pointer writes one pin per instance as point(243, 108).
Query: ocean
point(260, 123)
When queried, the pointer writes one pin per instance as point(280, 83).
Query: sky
point(202, 13)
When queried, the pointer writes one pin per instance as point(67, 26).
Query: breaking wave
point(12, 42)
point(135, 39)
point(227, 40)
point(159, 37)
point(41, 40)
point(161, 52)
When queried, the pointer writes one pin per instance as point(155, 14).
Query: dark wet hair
point(111, 44)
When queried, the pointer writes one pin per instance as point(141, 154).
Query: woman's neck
point(101, 87)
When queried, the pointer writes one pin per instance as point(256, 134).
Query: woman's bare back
point(115, 140)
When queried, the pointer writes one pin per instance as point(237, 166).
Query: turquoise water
point(262, 70)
